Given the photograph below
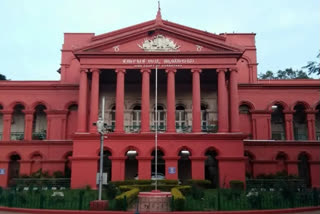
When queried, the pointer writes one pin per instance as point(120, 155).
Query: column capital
point(288, 111)
point(196, 70)
point(83, 70)
point(171, 70)
point(7, 112)
point(145, 70)
point(311, 111)
point(233, 69)
point(120, 70)
point(221, 70)
point(93, 70)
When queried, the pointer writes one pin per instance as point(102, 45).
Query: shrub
point(131, 182)
point(184, 189)
point(126, 198)
point(236, 185)
point(200, 183)
point(111, 191)
point(178, 199)
point(58, 174)
point(196, 192)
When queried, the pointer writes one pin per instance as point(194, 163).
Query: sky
point(31, 31)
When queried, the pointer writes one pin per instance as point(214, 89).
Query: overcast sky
point(31, 31)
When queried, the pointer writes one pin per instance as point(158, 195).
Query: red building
point(217, 121)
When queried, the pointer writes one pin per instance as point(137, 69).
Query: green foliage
point(111, 191)
point(288, 73)
point(313, 67)
point(172, 182)
point(178, 199)
point(200, 183)
point(236, 185)
point(2, 77)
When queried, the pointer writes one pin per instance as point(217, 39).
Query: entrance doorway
point(106, 163)
point(131, 165)
point(14, 168)
point(161, 164)
point(184, 165)
point(211, 168)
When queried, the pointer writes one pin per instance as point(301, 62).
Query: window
point(136, 117)
point(161, 118)
point(180, 118)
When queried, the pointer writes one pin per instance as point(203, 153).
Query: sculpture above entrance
point(159, 43)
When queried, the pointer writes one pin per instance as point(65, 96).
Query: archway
point(304, 168)
point(67, 165)
point(212, 168)
point(277, 123)
point(14, 168)
point(318, 123)
point(36, 162)
point(39, 126)
point(107, 164)
point(161, 163)
point(131, 169)
point(72, 120)
point(17, 123)
point(249, 164)
point(281, 159)
point(184, 165)
point(245, 119)
point(300, 126)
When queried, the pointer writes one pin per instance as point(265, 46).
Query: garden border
point(43, 211)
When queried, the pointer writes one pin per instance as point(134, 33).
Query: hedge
point(131, 182)
point(236, 185)
point(200, 183)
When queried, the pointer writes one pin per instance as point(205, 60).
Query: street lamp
point(101, 127)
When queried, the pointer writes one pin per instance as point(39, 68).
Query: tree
point(288, 73)
point(2, 77)
point(313, 66)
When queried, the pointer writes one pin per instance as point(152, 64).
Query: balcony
point(301, 136)
point(39, 135)
point(17, 135)
point(278, 135)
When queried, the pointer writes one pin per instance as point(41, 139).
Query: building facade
point(216, 120)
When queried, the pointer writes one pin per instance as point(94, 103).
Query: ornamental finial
point(159, 18)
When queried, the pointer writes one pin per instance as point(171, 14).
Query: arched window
point(161, 166)
point(39, 126)
point(107, 164)
point(180, 118)
point(113, 117)
point(1, 122)
point(14, 168)
point(245, 120)
point(212, 168)
point(136, 118)
point(204, 118)
point(161, 118)
point(304, 168)
point(317, 123)
point(300, 127)
point(184, 165)
point(17, 123)
point(72, 120)
point(277, 123)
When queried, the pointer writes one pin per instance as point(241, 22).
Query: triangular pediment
point(154, 37)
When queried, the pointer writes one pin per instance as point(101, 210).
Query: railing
point(301, 137)
point(183, 129)
point(132, 129)
point(17, 135)
point(0, 135)
point(40, 183)
point(39, 135)
point(209, 129)
point(275, 184)
point(110, 128)
point(278, 135)
point(160, 128)
point(318, 136)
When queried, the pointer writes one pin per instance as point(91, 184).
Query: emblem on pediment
point(159, 43)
